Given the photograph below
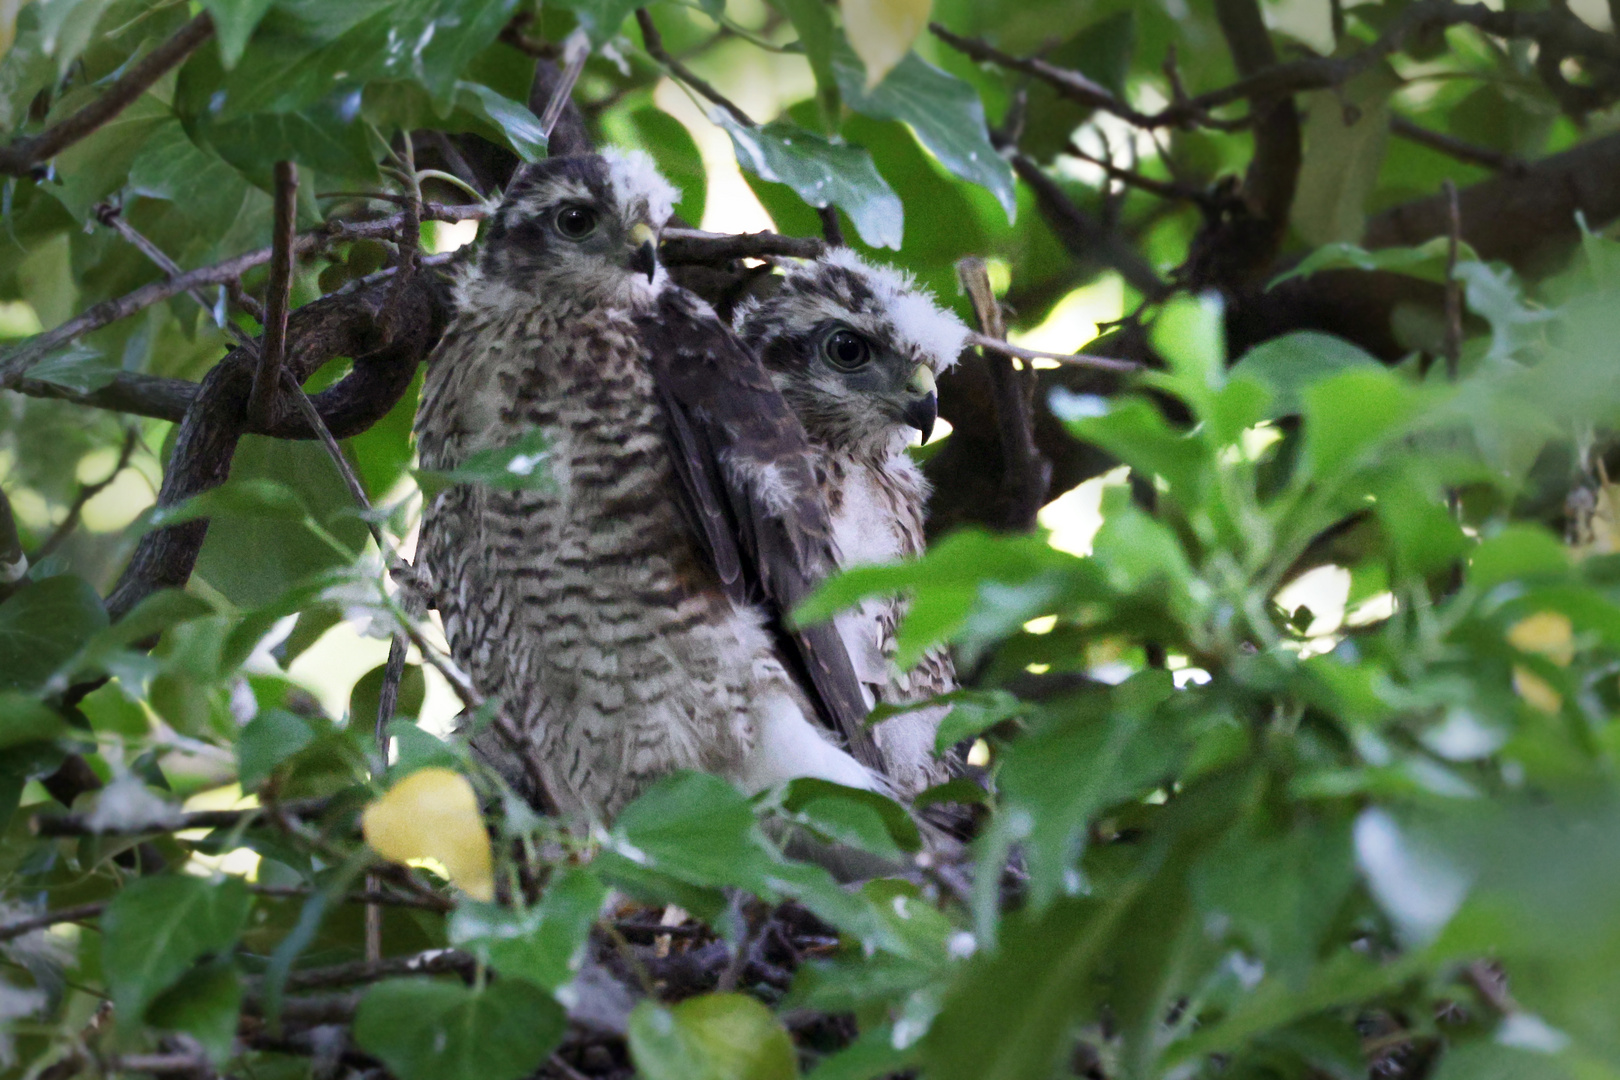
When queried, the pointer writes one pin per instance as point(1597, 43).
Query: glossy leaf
point(712, 1037)
point(823, 173)
point(157, 927)
point(42, 626)
point(425, 1030)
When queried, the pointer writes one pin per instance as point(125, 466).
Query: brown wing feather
point(751, 496)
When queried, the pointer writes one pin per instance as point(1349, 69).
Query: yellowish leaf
point(433, 814)
point(1535, 691)
point(9, 10)
point(1546, 633)
point(881, 32)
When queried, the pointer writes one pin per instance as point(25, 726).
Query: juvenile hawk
point(854, 349)
point(628, 616)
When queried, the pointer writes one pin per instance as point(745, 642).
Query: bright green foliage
point(1233, 826)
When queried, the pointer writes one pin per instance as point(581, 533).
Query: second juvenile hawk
point(854, 348)
point(628, 614)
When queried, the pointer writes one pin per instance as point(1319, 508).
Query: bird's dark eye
point(846, 350)
point(576, 222)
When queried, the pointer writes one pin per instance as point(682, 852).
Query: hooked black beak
point(644, 258)
point(921, 412)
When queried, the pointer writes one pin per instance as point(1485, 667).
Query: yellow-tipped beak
point(644, 250)
point(922, 380)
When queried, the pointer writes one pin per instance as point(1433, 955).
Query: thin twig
point(31, 350)
point(23, 155)
point(1163, 189)
point(50, 918)
point(278, 293)
point(831, 230)
point(387, 696)
point(132, 439)
point(694, 246)
point(1083, 360)
point(369, 895)
point(1454, 147)
point(654, 43)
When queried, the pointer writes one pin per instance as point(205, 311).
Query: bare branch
point(1559, 33)
point(50, 918)
point(1454, 147)
point(1080, 360)
point(1025, 473)
point(278, 294)
point(654, 43)
point(31, 350)
point(23, 155)
point(681, 247)
point(1083, 235)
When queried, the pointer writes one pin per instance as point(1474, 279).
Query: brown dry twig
point(23, 155)
point(278, 293)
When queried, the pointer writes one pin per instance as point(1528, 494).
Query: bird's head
point(854, 349)
point(586, 225)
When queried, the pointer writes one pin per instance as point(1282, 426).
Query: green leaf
point(545, 944)
point(426, 1030)
point(1350, 413)
point(512, 118)
point(818, 37)
point(517, 466)
point(1011, 1013)
point(1426, 261)
point(24, 720)
point(859, 819)
point(203, 187)
point(697, 827)
point(1287, 365)
point(43, 626)
point(157, 927)
point(677, 156)
point(318, 137)
point(366, 695)
point(712, 1037)
point(823, 173)
point(234, 23)
point(600, 18)
point(312, 624)
point(251, 554)
point(207, 1005)
point(944, 112)
point(269, 739)
point(110, 708)
point(1346, 130)
point(77, 367)
point(1517, 552)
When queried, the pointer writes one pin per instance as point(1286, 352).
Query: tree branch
point(1453, 147)
point(653, 41)
point(697, 248)
point(30, 351)
point(347, 323)
point(278, 294)
point(1083, 235)
point(23, 155)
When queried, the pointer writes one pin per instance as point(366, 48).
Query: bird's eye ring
point(846, 350)
point(576, 222)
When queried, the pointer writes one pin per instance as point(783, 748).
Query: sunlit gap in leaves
point(1074, 517)
point(1072, 322)
point(1324, 591)
point(439, 237)
point(18, 319)
point(239, 862)
point(730, 205)
point(130, 493)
